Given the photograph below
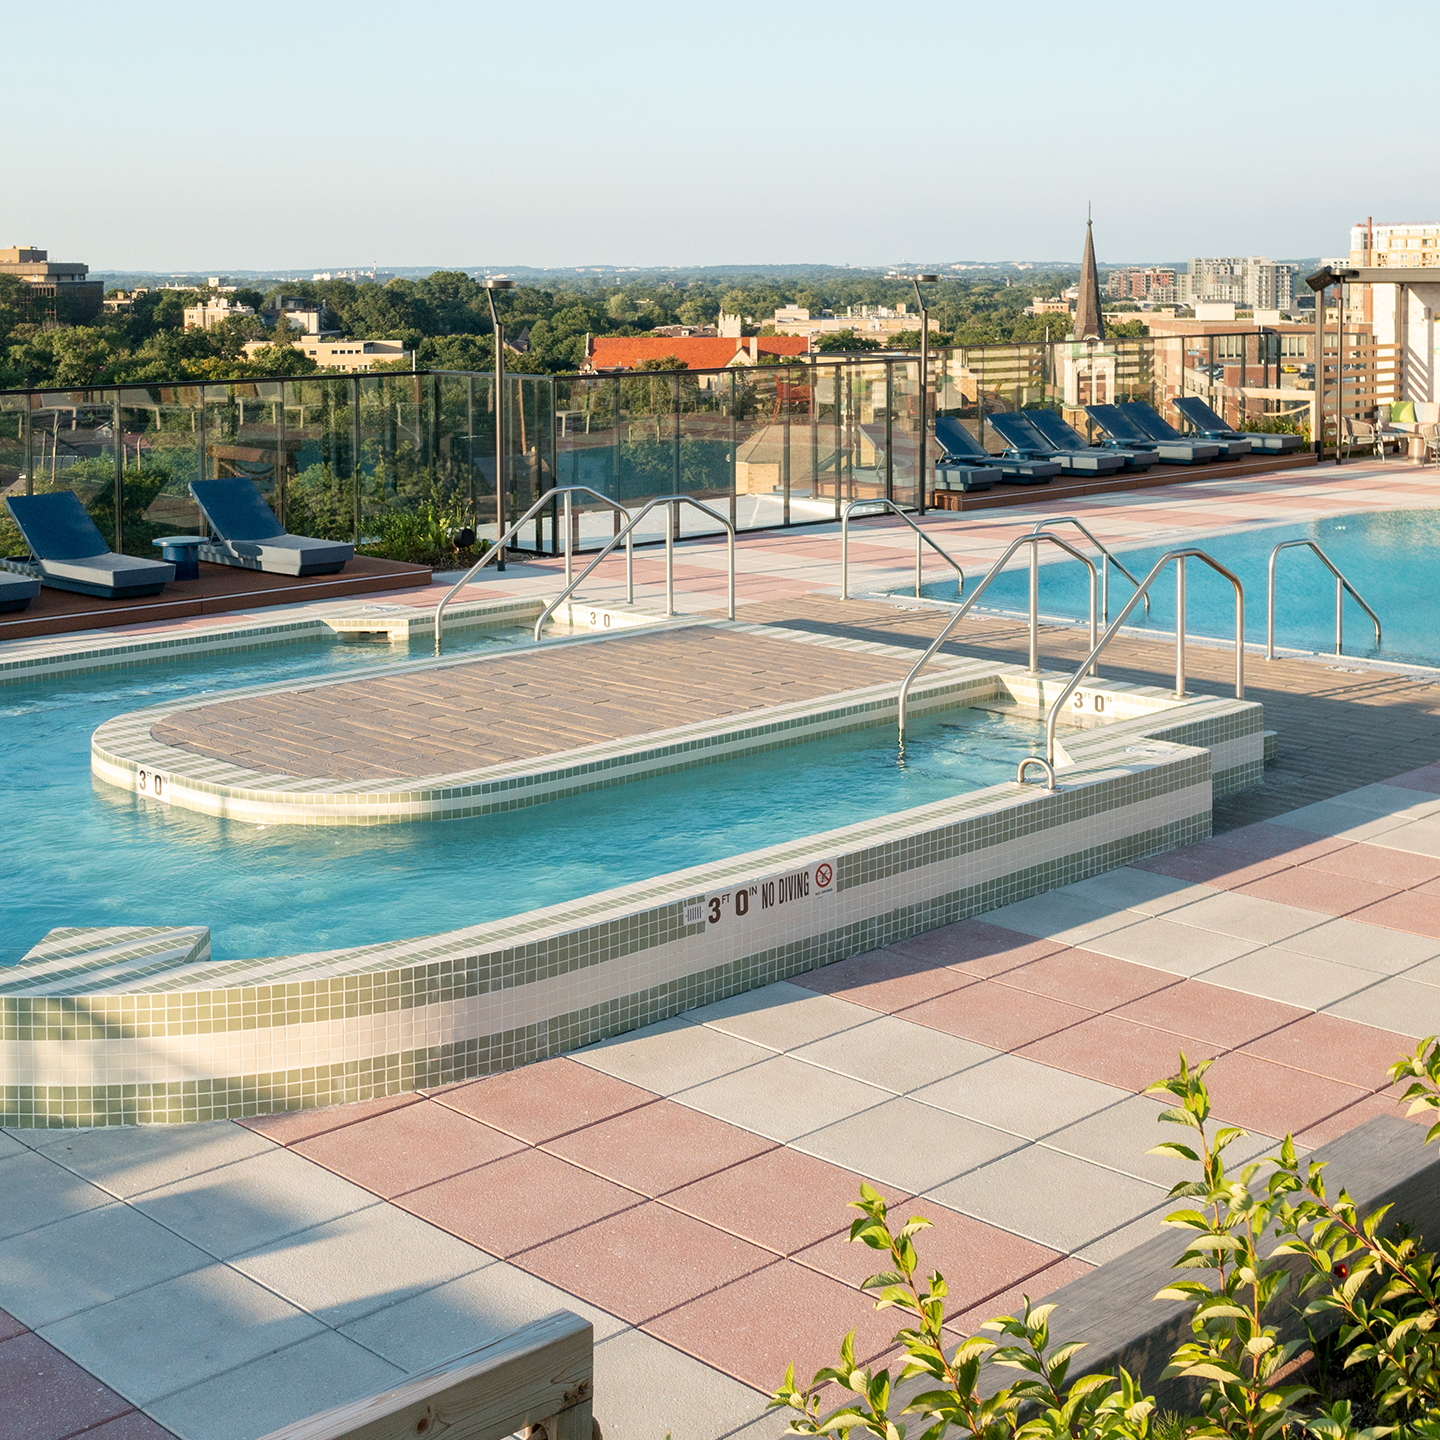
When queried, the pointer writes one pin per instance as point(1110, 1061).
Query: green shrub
point(1385, 1293)
point(425, 536)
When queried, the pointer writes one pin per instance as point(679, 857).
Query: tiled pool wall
point(225, 1040)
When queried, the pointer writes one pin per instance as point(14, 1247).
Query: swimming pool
point(77, 853)
point(1391, 557)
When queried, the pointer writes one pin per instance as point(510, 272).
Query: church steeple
point(1088, 324)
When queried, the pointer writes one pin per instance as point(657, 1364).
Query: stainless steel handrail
point(1104, 569)
point(671, 500)
point(1341, 586)
point(1180, 556)
point(919, 536)
point(499, 545)
point(1034, 542)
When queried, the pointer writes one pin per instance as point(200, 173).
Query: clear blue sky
point(162, 135)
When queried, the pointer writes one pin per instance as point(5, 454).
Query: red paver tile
point(884, 980)
point(1094, 982)
point(1338, 1049)
point(1398, 869)
point(10, 1326)
point(1220, 868)
point(996, 1015)
point(297, 1125)
point(1273, 1099)
point(1342, 1122)
point(1317, 890)
point(782, 1315)
point(659, 1147)
point(408, 1148)
point(782, 1200)
point(976, 1259)
point(1268, 841)
point(1216, 1017)
point(1413, 911)
point(516, 1202)
point(1011, 1300)
point(977, 948)
point(538, 1102)
point(645, 1261)
point(48, 1396)
point(1116, 1051)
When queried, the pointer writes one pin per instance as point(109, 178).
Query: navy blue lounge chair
point(1209, 426)
point(1024, 440)
point(1121, 430)
point(1059, 435)
point(1149, 419)
point(16, 591)
point(247, 534)
point(71, 554)
point(962, 448)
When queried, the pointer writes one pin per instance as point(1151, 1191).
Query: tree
point(845, 340)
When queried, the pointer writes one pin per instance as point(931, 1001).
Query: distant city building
point(347, 355)
point(873, 321)
point(59, 291)
point(122, 302)
point(374, 275)
point(1135, 284)
point(626, 352)
point(300, 314)
point(1393, 245)
point(1253, 282)
point(212, 312)
point(1054, 305)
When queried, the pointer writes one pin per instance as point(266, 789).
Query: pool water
point(76, 852)
point(1391, 557)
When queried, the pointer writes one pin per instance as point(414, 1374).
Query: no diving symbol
point(823, 876)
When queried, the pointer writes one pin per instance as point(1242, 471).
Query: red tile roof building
point(626, 352)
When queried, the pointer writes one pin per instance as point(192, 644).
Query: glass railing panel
point(812, 485)
point(586, 451)
point(903, 387)
point(319, 488)
point(706, 445)
point(15, 467)
point(649, 455)
point(761, 446)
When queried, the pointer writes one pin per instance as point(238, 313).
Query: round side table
point(180, 551)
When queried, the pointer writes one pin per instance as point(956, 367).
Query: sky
point(319, 134)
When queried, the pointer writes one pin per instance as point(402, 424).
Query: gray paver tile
point(1159, 942)
point(1142, 1228)
point(1384, 799)
point(87, 1260)
point(782, 1098)
point(176, 1334)
point(35, 1191)
point(908, 1144)
point(781, 1016)
point(1419, 837)
point(466, 1313)
point(1291, 978)
point(1020, 1095)
point(671, 1056)
point(1368, 947)
point(1397, 1003)
point(252, 1202)
point(651, 1388)
point(11, 1144)
point(129, 1159)
point(1339, 821)
point(895, 1054)
point(1128, 889)
point(360, 1263)
point(1052, 1198)
point(1246, 917)
point(276, 1390)
point(1060, 917)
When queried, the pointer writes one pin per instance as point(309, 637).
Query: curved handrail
point(1109, 635)
point(1045, 765)
point(499, 544)
point(639, 515)
point(1034, 542)
point(1341, 585)
point(1104, 570)
point(919, 536)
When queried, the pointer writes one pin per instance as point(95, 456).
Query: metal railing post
point(1180, 628)
point(672, 518)
point(1341, 585)
point(568, 545)
point(1034, 609)
point(920, 536)
point(918, 567)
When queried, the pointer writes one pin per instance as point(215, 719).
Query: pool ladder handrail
point(548, 498)
point(1110, 557)
point(1341, 586)
point(672, 520)
point(1180, 556)
point(1034, 542)
point(919, 536)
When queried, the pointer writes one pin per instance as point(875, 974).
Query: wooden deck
point(219, 588)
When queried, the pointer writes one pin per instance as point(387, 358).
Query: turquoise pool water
point(75, 852)
point(1391, 557)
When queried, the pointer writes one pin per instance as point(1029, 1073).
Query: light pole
point(917, 281)
point(491, 286)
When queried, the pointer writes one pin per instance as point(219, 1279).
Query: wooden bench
point(540, 1376)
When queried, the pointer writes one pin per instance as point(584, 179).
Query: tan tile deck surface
point(517, 707)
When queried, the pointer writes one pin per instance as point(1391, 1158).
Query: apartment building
point(59, 291)
point(211, 311)
point(1251, 281)
point(351, 356)
point(1392, 245)
point(1136, 284)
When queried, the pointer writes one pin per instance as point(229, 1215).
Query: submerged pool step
point(403, 623)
